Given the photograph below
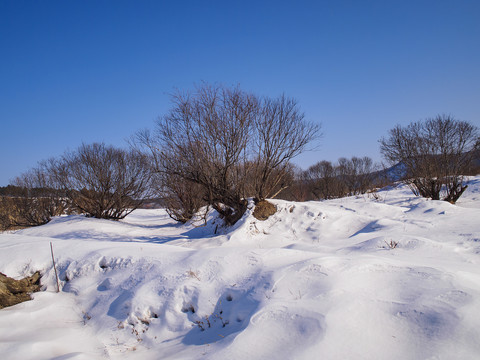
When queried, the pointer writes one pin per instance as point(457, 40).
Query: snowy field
point(318, 280)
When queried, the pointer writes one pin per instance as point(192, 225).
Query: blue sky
point(92, 71)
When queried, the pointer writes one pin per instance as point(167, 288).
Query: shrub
point(32, 201)
point(435, 155)
point(102, 181)
point(231, 143)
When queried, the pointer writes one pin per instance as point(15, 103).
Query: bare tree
point(229, 142)
point(435, 154)
point(203, 139)
point(103, 181)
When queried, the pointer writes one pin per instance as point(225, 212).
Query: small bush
point(435, 154)
point(103, 181)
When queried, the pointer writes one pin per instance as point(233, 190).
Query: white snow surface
point(318, 280)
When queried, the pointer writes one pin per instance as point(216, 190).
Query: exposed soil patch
point(13, 291)
point(263, 210)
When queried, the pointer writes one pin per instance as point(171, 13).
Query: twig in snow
point(392, 244)
point(193, 274)
point(54, 267)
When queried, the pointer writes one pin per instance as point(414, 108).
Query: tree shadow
point(98, 236)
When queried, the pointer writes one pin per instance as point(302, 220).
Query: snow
point(316, 280)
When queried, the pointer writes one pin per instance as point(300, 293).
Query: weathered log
point(13, 291)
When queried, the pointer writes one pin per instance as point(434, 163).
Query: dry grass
point(263, 210)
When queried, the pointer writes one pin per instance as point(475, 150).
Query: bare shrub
point(103, 181)
point(391, 244)
point(230, 143)
point(182, 198)
point(435, 154)
point(33, 201)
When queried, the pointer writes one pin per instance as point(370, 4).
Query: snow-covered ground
point(318, 280)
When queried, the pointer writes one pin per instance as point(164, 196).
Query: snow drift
point(390, 276)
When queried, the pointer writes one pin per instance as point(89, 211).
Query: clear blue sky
point(92, 71)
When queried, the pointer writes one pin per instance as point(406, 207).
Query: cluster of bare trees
point(218, 146)
point(96, 180)
point(31, 201)
point(327, 180)
point(431, 156)
point(347, 177)
point(435, 154)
